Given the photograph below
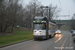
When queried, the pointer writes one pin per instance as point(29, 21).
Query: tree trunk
point(12, 27)
point(1, 28)
point(5, 28)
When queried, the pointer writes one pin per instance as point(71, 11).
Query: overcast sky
point(67, 6)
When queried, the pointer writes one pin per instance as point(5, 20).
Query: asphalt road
point(62, 41)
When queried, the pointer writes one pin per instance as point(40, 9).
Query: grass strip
point(20, 36)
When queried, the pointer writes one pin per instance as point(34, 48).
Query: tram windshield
point(41, 26)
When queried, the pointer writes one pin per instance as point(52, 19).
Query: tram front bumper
point(39, 36)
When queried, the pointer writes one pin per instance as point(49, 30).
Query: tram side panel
point(52, 28)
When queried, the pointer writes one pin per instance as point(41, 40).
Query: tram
point(43, 28)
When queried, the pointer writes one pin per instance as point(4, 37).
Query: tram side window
point(44, 26)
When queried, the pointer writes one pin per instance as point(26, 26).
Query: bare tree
point(11, 11)
point(54, 10)
point(32, 10)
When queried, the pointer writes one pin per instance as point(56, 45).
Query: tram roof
point(40, 17)
point(52, 23)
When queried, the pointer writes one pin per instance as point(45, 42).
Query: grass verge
point(20, 36)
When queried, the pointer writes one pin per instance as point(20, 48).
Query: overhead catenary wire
point(61, 6)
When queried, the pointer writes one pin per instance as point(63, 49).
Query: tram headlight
point(37, 32)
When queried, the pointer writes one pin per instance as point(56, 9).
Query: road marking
point(63, 44)
point(58, 39)
point(55, 42)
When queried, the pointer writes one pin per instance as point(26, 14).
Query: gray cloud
point(68, 6)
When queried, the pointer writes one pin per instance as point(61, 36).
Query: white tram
point(43, 28)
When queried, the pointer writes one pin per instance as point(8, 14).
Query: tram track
point(54, 43)
point(39, 42)
point(29, 45)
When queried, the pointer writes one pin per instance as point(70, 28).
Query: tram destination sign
point(38, 21)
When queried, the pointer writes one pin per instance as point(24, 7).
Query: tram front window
point(40, 26)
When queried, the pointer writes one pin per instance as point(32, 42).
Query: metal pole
point(41, 11)
point(49, 14)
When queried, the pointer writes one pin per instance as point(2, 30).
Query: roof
point(40, 18)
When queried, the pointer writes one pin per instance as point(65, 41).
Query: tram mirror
point(43, 25)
